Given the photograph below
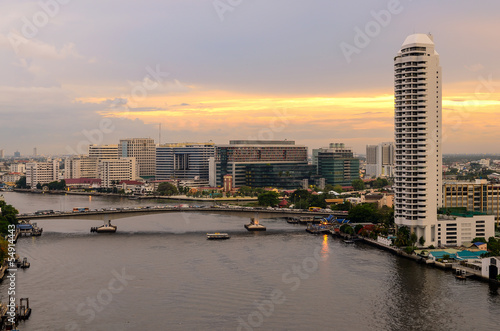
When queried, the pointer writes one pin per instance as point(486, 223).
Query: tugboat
point(217, 236)
point(254, 225)
point(106, 228)
point(23, 264)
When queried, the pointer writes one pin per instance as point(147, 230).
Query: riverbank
point(146, 197)
point(456, 268)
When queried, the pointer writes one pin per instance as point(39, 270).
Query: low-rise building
point(11, 177)
point(459, 229)
point(379, 199)
point(82, 183)
point(490, 267)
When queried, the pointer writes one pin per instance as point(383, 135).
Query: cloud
point(34, 48)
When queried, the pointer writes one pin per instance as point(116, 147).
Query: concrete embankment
point(153, 197)
point(455, 267)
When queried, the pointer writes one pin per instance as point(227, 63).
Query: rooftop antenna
point(159, 133)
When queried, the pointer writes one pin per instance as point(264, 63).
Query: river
point(158, 272)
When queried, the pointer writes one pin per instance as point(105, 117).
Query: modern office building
point(478, 196)
point(380, 160)
point(187, 162)
point(143, 150)
point(418, 173)
point(257, 163)
point(336, 164)
point(101, 152)
point(280, 175)
point(112, 171)
point(81, 166)
point(41, 172)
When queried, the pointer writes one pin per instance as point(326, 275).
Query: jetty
point(27, 229)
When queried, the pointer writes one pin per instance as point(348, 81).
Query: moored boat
point(106, 228)
point(255, 226)
point(218, 235)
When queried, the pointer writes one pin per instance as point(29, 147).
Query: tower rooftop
point(418, 38)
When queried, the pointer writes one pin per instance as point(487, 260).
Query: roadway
point(116, 213)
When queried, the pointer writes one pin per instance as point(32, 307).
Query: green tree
point(409, 249)
point(402, 237)
point(317, 201)
point(246, 191)
point(357, 228)
point(386, 215)
point(421, 241)
point(413, 238)
point(301, 198)
point(7, 216)
point(358, 184)
point(479, 239)
point(347, 229)
point(345, 206)
point(167, 189)
point(329, 187)
point(268, 199)
point(56, 185)
point(380, 182)
point(337, 188)
point(21, 183)
point(494, 246)
point(366, 212)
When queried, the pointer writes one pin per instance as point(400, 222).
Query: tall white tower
point(417, 125)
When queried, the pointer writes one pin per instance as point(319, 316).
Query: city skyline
point(313, 73)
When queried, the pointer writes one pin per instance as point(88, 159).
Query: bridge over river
point(117, 213)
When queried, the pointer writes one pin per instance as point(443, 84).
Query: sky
point(76, 72)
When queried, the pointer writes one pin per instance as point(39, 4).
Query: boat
point(254, 225)
point(318, 228)
point(106, 228)
point(349, 241)
point(218, 235)
point(292, 220)
point(24, 264)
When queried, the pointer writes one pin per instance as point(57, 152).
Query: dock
point(21, 312)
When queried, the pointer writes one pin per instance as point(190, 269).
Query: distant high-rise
point(184, 161)
point(260, 163)
point(418, 174)
point(80, 166)
point(336, 164)
point(41, 172)
point(144, 152)
point(2, 154)
point(380, 160)
point(101, 152)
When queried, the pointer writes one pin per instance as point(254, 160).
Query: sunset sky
point(78, 72)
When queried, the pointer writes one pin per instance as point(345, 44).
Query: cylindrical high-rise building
point(417, 125)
